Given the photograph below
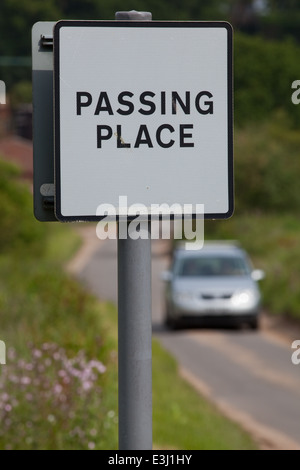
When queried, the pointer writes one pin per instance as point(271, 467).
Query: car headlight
point(243, 298)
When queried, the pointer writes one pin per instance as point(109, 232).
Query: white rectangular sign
point(143, 113)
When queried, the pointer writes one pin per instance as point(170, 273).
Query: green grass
point(40, 306)
point(183, 419)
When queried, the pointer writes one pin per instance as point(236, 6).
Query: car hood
point(214, 285)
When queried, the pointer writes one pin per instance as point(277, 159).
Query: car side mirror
point(166, 276)
point(258, 275)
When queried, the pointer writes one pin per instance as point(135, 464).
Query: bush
point(267, 166)
point(264, 73)
point(19, 231)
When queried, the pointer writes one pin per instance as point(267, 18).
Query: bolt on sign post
point(142, 114)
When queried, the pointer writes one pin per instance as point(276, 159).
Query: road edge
point(265, 437)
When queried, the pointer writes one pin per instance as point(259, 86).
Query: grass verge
point(184, 420)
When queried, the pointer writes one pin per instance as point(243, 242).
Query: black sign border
point(139, 24)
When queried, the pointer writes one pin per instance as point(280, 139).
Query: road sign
point(143, 110)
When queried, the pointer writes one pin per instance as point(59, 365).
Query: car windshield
point(212, 266)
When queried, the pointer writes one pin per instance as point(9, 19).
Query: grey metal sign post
point(135, 348)
point(135, 330)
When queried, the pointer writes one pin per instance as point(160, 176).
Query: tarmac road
point(248, 375)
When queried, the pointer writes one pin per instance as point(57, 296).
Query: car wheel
point(254, 323)
point(169, 321)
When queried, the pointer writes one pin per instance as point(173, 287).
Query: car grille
point(215, 296)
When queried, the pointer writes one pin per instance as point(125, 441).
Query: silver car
point(216, 282)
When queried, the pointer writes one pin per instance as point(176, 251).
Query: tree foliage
point(264, 73)
point(264, 70)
